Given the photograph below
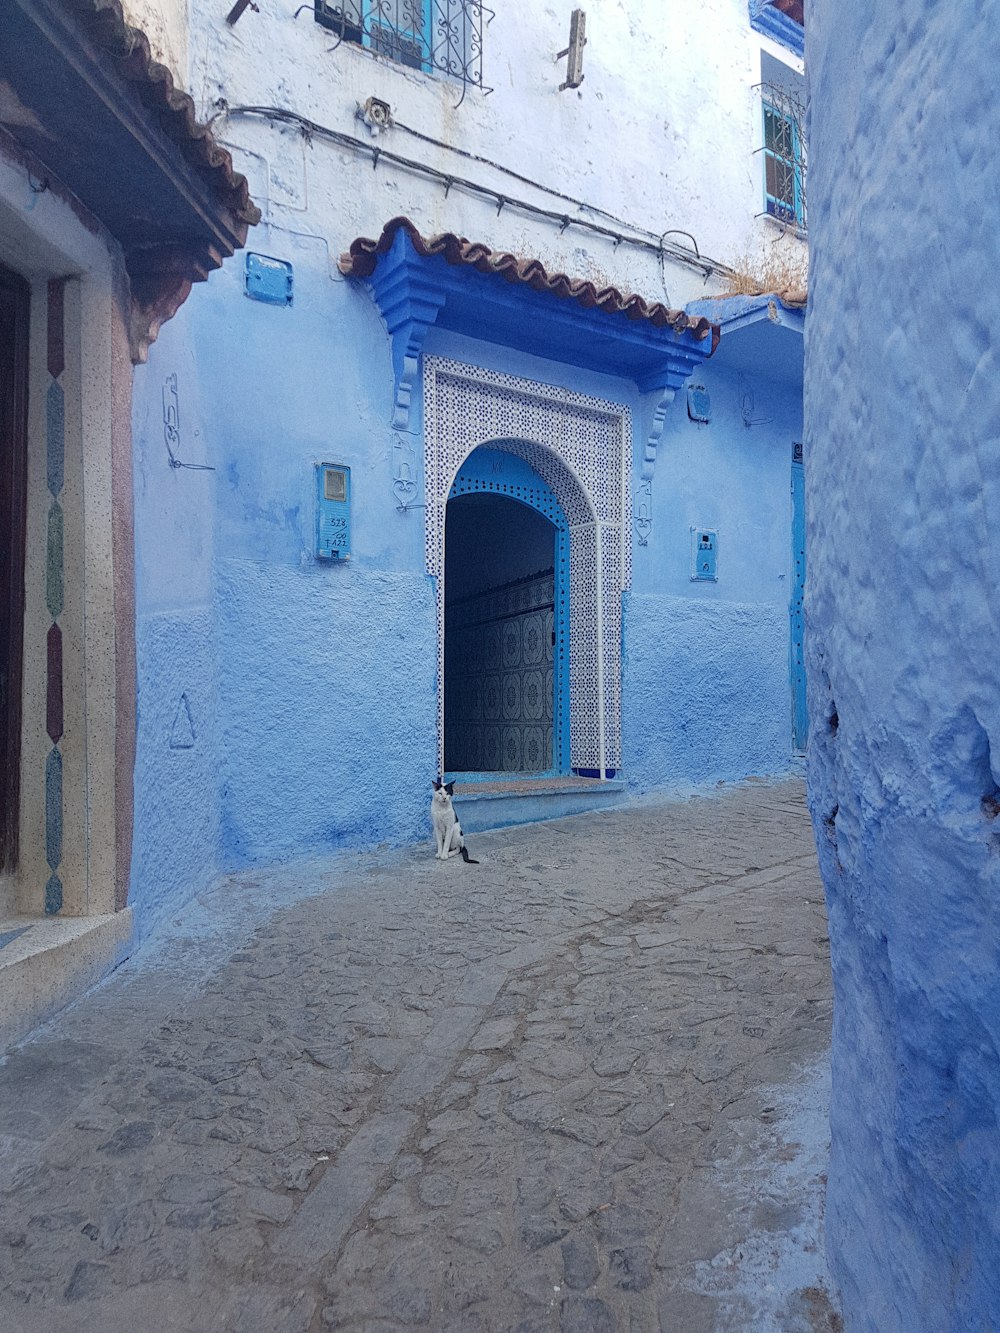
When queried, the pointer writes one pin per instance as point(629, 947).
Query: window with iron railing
point(784, 150)
point(436, 36)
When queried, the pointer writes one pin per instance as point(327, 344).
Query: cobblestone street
point(580, 1086)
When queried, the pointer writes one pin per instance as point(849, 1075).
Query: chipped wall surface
point(311, 687)
point(663, 132)
point(902, 452)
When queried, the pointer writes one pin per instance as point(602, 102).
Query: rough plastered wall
point(706, 684)
point(310, 686)
point(663, 131)
point(175, 844)
point(287, 706)
point(902, 454)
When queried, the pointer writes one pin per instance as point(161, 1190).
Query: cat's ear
point(450, 788)
point(436, 785)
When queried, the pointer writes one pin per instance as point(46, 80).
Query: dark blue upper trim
point(764, 18)
point(414, 292)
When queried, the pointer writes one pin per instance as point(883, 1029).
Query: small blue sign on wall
point(704, 554)
point(333, 511)
point(267, 279)
point(699, 403)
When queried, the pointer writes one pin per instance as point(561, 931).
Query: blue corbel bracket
point(657, 391)
point(410, 300)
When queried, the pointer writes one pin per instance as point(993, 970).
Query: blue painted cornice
point(738, 312)
point(415, 292)
point(771, 22)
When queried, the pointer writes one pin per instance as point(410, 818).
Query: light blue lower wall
point(329, 719)
point(903, 492)
point(705, 691)
point(323, 678)
point(178, 760)
point(175, 845)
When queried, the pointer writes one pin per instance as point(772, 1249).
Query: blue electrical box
point(704, 554)
point(699, 403)
point(333, 511)
point(266, 279)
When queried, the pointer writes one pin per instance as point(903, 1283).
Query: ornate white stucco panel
point(581, 446)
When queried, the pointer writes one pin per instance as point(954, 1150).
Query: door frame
point(519, 482)
point(15, 311)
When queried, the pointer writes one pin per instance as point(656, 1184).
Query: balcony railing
point(436, 36)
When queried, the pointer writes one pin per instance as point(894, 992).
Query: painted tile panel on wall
point(55, 451)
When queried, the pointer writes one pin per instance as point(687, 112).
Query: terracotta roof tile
point(795, 9)
point(360, 260)
point(105, 25)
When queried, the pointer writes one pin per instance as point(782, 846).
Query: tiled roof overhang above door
point(449, 282)
point(85, 98)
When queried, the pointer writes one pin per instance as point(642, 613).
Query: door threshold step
point(489, 790)
point(48, 961)
point(513, 800)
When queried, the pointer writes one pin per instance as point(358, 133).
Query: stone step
point(509, 800)
point(48, 961)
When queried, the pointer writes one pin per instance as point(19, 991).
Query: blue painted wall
point(178, 751)
point(312, 685)
point(706, 663)
point(903, 492)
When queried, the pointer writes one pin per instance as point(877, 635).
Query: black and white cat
point(447, 829)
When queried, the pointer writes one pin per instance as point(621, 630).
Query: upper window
point(784, 185)
point(445, 36)
point(783, 142)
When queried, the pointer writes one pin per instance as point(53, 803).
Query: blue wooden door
point(493, 471)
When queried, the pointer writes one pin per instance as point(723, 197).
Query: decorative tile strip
point(55, 457)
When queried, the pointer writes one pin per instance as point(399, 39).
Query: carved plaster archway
point(581, 447)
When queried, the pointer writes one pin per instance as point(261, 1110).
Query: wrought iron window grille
point(785, 154)
point(435, 36)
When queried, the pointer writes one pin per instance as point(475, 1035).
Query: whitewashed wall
point(662, 132)
point(165, 23)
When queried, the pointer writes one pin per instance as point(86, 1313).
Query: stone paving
point(578, 1087)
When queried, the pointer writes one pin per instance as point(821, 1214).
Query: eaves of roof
point(105, 25)
point(795, 9)
point(96, 118)
point(787, 308)
point(762, 336)
point(360, 261)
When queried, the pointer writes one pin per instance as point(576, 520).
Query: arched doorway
point(506, 631)
point(580, 448)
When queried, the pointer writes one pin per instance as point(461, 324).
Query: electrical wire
point(537, 185)
point(640, 238)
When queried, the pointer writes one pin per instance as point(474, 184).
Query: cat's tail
point(466, 857)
